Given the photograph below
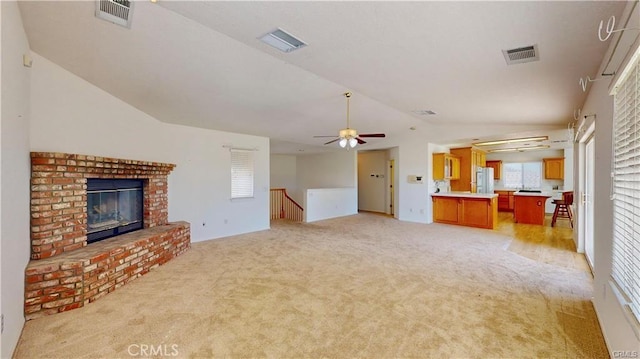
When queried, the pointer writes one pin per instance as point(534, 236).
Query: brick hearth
point(64, 272)
point(76, 278)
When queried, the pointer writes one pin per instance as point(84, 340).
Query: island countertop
point(534, 194)
point(466, 209)
point(464, 195)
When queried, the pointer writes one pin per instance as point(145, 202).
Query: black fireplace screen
point(114, 206)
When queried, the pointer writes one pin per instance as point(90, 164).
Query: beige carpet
point(364, 286)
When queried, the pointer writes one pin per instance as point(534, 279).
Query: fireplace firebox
point(114, 207)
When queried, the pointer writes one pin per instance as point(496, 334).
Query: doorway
point(372, 180)
point(376, 181)
point(587, 200)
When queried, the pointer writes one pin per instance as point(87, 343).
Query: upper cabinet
point(497, 168)
point(445, 166)
point(470, 159)
point(553, 168)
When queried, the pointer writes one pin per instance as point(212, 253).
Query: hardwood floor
point(553, 245)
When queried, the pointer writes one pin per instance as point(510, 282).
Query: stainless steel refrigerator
point(484, 180)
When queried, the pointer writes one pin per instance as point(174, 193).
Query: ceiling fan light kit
point(349, 136)
point(348, 133)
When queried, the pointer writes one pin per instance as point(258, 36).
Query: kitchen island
point(529, 207)
point(505, 199)
point(466, 209)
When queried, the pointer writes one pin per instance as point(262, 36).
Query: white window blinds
point(626, 188)
point(241, 173)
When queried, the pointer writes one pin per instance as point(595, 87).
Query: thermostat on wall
point(415, 179)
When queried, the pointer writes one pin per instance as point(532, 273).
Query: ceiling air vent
point(115, 11)
point(424, 112)
point(521, 55)
point(282, 40)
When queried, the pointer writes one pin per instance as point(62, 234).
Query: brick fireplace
point(64, 272)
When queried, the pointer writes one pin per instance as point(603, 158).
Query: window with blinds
point(626, 188)
point(241, 173)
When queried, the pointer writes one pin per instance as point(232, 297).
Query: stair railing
point(284, 207)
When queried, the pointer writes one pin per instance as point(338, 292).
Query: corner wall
point(414, 199)
point(70, 115)
point(14, 173)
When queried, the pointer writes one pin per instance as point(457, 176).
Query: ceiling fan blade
point(372, 135)
point(332, 141)
point(360, 140)
point(324, 136)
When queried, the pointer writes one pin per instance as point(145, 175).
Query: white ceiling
point(200, 64)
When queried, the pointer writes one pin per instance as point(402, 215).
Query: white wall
point(282, 169)
point(617, 332)
point(70, 115)
point(413, 198)
point(327, 170)
point(325, 203)
point(322, 179)
point(568, 168)
point(372, 181)
point(14, 174)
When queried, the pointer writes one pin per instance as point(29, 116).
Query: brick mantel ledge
point(74, 279)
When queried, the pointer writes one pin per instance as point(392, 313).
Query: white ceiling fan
point(349, 136)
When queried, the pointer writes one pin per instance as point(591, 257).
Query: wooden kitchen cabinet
point(465, 210)
point(470, 159)
point(445, 210)
point(497, 168)
point(553, 168)
point(505, 200)
point(445, 166)
point(479, 212)
point(529, 208)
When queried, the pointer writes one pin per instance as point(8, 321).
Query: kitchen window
point(522, 174)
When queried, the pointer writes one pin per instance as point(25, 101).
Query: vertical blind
point(241, 173)
point(626, 188)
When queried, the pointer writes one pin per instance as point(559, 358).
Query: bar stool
point(563, 208)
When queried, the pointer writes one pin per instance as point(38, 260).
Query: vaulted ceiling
point(201, 64)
